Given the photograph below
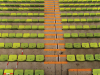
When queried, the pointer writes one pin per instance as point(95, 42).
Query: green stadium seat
point(70, 20)
point(24, 14)
point(65, 27)
point(69, 14)
point(14, 27)
point(63, 14)
point(2, 27)
point(82, 35)
point(79, 27)
point(41, 27)
point(35, 20)
point(10, 20)
point(16, 45)
point(76, 5)
point(80, 57)
point(18, 72)
point(39, 72)
point(29, 20)
point(92, 26)
point(89, 35)
point(98, 26)
point(8, 71)
point(4, 35)
point(28, 72)
point(95, 20)
point(89, 57)
point(74, 14)
point(1, 45)
point(18, 14)
point(35, 14)
point(86, 27)
point(30, 58)
point(71, 5)
point(77, 20)
point(8, 27)
point(89, 20)
point(70, 57)
point(97, 14)
point(96, 35)
point(77, 45)
point(16, 20)
point(96, 71)
point(67, 9)
point(66, 35)
point(72, 27)
point(40, 45)
point(12, 58)
point(92, 14)
point(8, 45)
point(41, 20)
point(93, 45)
point(86, 14)
point(68, 45)
point(73, 9)
point(12, 35)
point(83, 20)
point(32, 45)
point(1, 71)
point(39, 58)
point(21, 27)
point(41, 35)
point(85, 45)
point(64, 20)
point(34, 27)
point(30, 14)
point(4, 58)
point(24, 45)
point(0, 35)
point(80, 14)
point(13, 14)
point(97, 57)
point(26, 35)
point(41, 14)
point(62, 9)
point(21, 58)
point(74, 35)
point(33, 35)
point(19, 35)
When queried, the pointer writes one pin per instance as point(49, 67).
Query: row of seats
point(79, 14)
point(83, 45)
point(80, 57)
point(80, 20)
point(78, 1)
point(23, 14)
point(21, 72)
point(22, 45)
point(80, 27)
point(81, 35)
point(21, 27)
point(22, 20)
point(21, 5)
point(22, 58)
point(80, 5)
point(80, 9)
point(20, 9)
point(22, 35)
point(23, 1)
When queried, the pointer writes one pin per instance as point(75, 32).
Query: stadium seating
point(83, 45)
point(22, 45)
